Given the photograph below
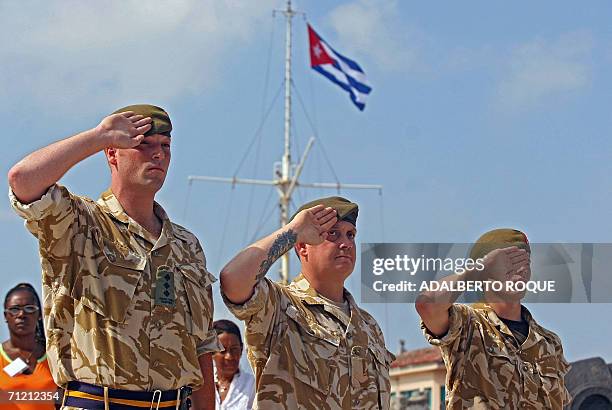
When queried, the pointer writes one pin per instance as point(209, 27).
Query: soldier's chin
point(344, 266)
point(155, 184)
point(515, 296)
point(506, 297)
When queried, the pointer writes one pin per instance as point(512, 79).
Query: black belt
point(90, 396)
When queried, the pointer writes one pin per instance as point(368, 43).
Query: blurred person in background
point(25, 351)
point(235, 388)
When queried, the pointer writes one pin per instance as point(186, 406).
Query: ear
point(302, 251)
point(111, 155)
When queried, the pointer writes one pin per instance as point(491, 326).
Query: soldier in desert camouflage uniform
point(310, 345)
point(127, 297)
point(497, 356)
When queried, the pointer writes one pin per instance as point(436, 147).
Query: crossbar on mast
point(285, 182)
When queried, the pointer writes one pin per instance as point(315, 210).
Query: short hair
point(40, 330)
point(227, 326)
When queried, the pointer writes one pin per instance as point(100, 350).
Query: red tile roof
point(419, 356)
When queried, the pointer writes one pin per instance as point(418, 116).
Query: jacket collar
point(109, 204)
point(535, 334)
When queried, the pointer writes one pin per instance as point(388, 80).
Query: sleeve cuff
point(38, 209)
point(209, 278)
point(210, 345)
point(254, 304)
point(457, 314)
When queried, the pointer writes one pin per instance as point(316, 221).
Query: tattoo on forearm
point(282, 244)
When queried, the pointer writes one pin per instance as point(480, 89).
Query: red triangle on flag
point(318, 55)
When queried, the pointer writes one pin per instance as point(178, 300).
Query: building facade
point(418, 378)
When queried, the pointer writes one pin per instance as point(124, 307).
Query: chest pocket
point(552, 381)
point(309, 349)
point(382, 362)
point(487, 364)
point(196, 281)
point(106, 282)
point(500, 362)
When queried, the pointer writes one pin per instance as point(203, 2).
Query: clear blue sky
point(482, 115)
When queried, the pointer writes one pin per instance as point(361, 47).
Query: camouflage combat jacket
point(308, 354)
point(121, 308)
point(487, 369)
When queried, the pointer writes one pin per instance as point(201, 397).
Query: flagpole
point(283, 187)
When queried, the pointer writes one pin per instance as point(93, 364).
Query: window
point(418, 399)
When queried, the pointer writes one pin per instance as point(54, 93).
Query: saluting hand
point(124, 130)
point(504, 264)
point(311, 225)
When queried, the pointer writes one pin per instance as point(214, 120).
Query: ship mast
point(283, 179)
point(284, 185)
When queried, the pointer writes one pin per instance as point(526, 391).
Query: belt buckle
point(158, 394)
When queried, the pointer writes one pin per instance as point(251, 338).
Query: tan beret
point(161, 120)
point(346, 210)
point(497, 239)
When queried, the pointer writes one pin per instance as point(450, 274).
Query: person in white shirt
point(235, 389)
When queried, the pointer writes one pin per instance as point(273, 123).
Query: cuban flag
point(343, 72)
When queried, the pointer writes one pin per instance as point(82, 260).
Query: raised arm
point(499, 264)
point(240, 275)
point(31, 177)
